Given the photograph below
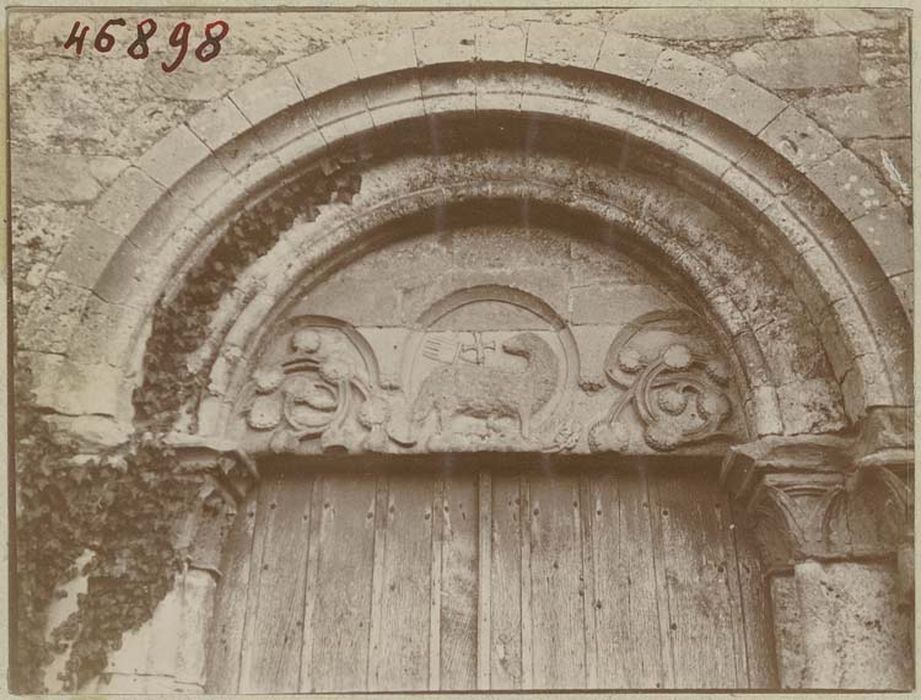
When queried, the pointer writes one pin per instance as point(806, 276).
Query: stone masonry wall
point(76, 122)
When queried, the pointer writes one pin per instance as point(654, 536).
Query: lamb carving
point(490, 393)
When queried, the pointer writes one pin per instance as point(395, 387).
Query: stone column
point(168, 653)
point(832, 523)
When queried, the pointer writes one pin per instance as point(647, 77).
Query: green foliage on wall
point(122, 505)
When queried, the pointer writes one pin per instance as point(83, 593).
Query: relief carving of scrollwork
point(318, 384)
point(484, 368)
point(673, 380)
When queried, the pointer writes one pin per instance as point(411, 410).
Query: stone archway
point(817, 347)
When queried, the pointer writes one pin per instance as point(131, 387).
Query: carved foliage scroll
point(673, 380)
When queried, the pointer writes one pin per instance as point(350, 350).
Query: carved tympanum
point(673, 379)
point(485, 368)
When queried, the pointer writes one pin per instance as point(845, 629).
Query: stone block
point(122, 205)
point(377, 55)
point(844, 20)
point(326, 70)
point(872, 112)
point(390, 100)
point(51, 177)
point(818, 62)
point(849, 184)
point(627, 57)
point(904, 288)
point(891, 158)
point(685, 76)
point(54, 314)
point(563, 45)
point(763, 411)
point(445, 91)
point(888, 233)
point(811, 407)
point(707, 24)
point(340, 115)
point(798, 138)
point(505, 44)
point(266, 95)
point(106, 333)
point(296, 125)
point(743, 103)
point(442, 44)
point(218, 122)
point(854, 635)
point(86, 254)
point(173, 156)
point(615, 303)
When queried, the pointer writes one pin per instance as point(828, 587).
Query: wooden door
point(501, 575)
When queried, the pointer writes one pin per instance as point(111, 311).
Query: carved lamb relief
point(463, 380)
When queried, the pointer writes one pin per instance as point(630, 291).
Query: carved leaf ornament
point(677, 389)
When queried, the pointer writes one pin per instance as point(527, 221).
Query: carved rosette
point(322, 389)
point(672, 378)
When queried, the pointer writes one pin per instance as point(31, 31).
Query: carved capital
point(222, 475)
point(812, 497)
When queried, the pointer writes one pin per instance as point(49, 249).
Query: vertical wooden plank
point(459, 583)
point(505, 583)
point(273, 654)
point(694, 564)
point(627, 605)
point(728, 572)
point(305, 679)
point(375, 633)
point(335, 654)
point(756, 610)
point(484, 594)
point(435, 585)
point(556, 591)
point(588, 581)
point(527, 618)
point(402, 659)
point(663, 598)
point(226, 640)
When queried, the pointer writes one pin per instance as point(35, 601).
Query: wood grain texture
point(401, 661)
point(484, 589)
point(627, 609)
point(337, 657)
point(492, 580)
point(756, 610)
point(459, 553)
point(695, 574)
point(505, 668)
point(556, 583)
point(272, 657)
point(226, 637)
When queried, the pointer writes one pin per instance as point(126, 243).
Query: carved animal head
point(523, 344)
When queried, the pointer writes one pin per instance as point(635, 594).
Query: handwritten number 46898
point(209, 48)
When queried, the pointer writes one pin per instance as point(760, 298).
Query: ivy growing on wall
point(122, 505)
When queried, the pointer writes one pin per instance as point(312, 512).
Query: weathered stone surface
point(892, 159)
point(888, 233)
point(850, 184)
point(690, 24)
point(841, 20)
point(624, 55)
point(792, 64)
point(867, 113)
point(788, 635)
point(52, 178)
point(854, 636)
point(798, 138)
